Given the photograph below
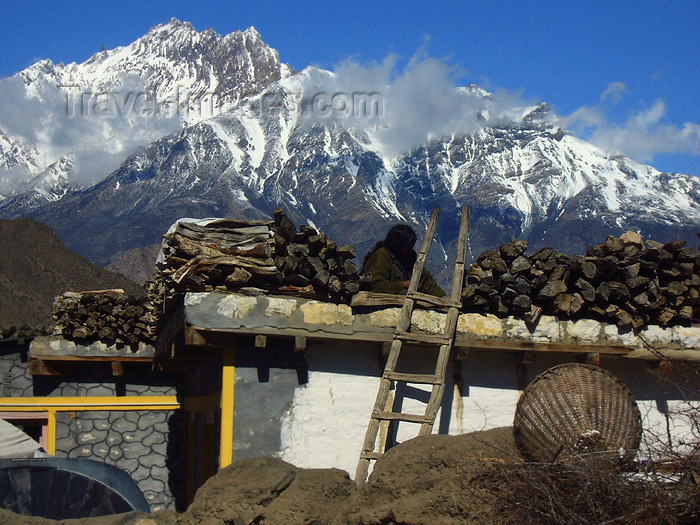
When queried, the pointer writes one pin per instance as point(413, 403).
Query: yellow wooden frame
point(51, 405)
point(228, 384)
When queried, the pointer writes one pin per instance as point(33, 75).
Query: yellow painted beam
point(51, 433)
point(63, 404)
point(228, 382)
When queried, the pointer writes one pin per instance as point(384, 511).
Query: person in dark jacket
point(390, 263)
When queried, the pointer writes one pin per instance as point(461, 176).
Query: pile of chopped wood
point(624, 281)
point(235, 255)
point(227, 254)
point(222, 255)
point(308, 259)
point(110, 316)
point(22, 332)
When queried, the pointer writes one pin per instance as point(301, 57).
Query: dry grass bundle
point(587, 492)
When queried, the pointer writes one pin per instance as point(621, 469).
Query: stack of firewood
point(23, 331)
point(223, 255)
point(309, 259)
point(624, 281)
point(227, 255)
point(110, 316)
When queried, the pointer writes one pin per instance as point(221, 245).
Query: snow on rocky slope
point(523, 179)
point(122, 99)
point(522, 175)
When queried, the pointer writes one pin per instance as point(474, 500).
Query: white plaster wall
point(326, 424)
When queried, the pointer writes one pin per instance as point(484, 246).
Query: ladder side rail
point(403, 325)
point(450, 324)
point(423, 254)
point(461, 257)
point(440, 370)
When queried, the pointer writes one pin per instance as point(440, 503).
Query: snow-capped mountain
point(522, 175)
point(171, 59)
point(522, 178)
point(96, 113)
point(50, 185)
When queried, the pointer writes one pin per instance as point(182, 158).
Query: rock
point(589, 269)
point(522, 302)
point(512, 249)
point(613, 245)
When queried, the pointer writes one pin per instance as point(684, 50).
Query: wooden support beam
point(228, 384)
point(260, 341)
point(299, 343)
point(117, 368)
point(227, 338)
point(64, 365)
point(525, 358)
point(37, 367)
point(521, 375)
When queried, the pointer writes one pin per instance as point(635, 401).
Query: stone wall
point(149, 445)
point(15, 380)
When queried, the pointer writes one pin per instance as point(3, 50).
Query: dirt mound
point(268, 490)
point(430, 479)
point(433, 479)
point(36, 266)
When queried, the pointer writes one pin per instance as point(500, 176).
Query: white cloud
point(54, 123)
point(642, 136)
point(614, 92)
point(419, 102)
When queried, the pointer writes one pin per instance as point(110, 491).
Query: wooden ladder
point(443, 342)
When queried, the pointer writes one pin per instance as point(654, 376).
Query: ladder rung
point(426, 379)
point(433, 300)
point(370, 455)
point(417, 337)
point(399, 416)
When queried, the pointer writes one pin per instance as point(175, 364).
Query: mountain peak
point(253, 33)
point(174, 23)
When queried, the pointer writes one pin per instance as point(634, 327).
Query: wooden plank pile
point(235, 255)
point(624, 281)
point(110, 316)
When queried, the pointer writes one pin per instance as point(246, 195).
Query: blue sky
point(645, 56)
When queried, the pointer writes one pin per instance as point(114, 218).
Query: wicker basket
point(573, 410)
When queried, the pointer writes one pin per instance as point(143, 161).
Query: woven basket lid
point(576, 409)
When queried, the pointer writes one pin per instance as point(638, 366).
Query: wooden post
point(299, 343)
point(228, 382)
point(51, 432)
